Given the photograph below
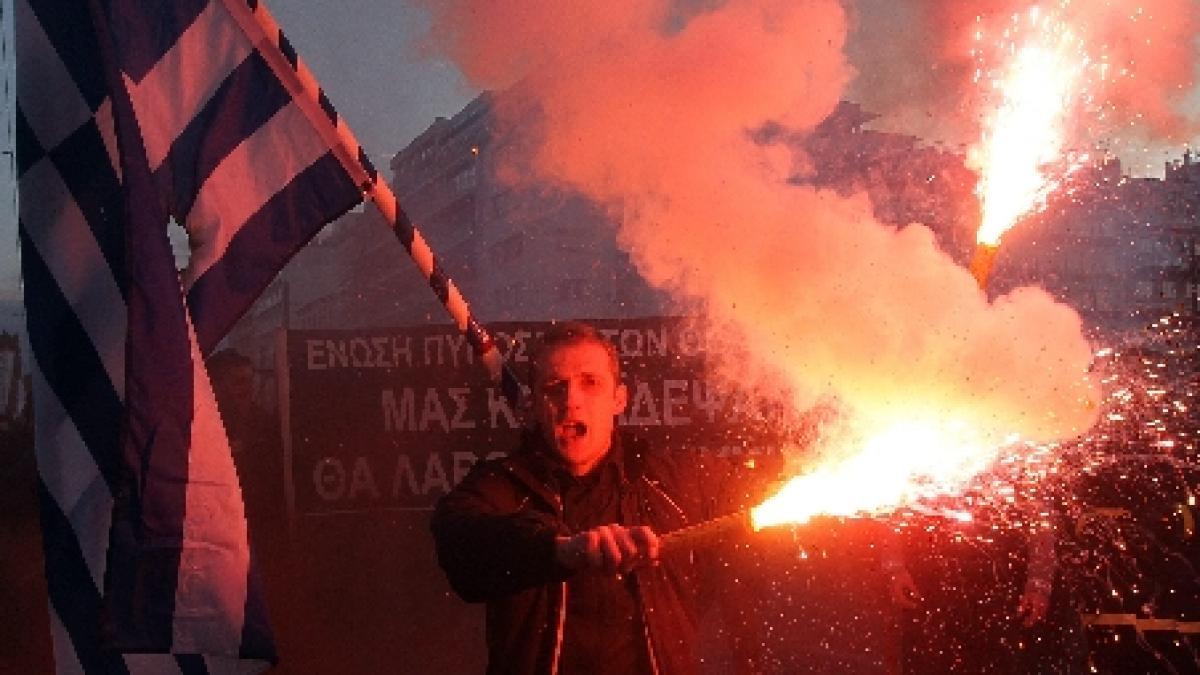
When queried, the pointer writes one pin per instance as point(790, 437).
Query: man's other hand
point(610, 548)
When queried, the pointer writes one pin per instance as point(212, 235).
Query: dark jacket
point(495, 537)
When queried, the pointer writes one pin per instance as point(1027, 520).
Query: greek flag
point(131, 113)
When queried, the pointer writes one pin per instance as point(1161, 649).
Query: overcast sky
point(365, 54)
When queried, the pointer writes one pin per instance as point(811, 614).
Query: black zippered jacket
point(495, 534)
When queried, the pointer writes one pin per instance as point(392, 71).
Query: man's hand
point(1034, 602)
point(610, 548)
point(904, 589)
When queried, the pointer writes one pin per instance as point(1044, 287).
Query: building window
point(466, 180)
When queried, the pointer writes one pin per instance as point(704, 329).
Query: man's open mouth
point(574, 429)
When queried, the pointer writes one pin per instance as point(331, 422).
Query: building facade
point(1122, 251)
point(528, 252)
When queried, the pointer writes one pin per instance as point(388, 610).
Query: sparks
point(1020, 158)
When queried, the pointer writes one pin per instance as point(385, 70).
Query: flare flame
point(1021, 156)
point(905, 463)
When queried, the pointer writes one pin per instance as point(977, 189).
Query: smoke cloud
point(648, 108)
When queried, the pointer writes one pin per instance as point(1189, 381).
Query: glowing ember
point(897, 467)
point(1039, 85)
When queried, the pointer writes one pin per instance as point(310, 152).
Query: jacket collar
point(534, 464)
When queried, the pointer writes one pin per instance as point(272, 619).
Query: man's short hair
point(571, 333)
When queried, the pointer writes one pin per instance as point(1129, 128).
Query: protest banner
point(393, 418)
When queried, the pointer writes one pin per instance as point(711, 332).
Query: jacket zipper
point(562, 626)
point(654, 668)
point(646, 630)
point(562, 607)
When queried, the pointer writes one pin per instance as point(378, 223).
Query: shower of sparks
point(1120, 501)
point(1131, 503)
point(1144, 450)
point(1041, 85)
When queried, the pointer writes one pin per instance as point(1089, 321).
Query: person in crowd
point(256, 442)
point(563, 538)
point(254, 439)
point(246, 422)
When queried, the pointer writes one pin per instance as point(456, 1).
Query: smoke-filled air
point(650, 108)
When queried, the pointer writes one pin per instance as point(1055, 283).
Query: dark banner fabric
point(392, 419)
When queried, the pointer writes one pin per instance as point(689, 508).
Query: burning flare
point(1039, 86)
point(899, 466)
point(1020, 158)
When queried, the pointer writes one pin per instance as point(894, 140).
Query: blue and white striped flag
point(130, 112)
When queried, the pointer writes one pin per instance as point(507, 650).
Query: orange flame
point(1040, 83)
point(900, 465)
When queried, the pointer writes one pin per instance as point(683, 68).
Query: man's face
point(575, 400)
